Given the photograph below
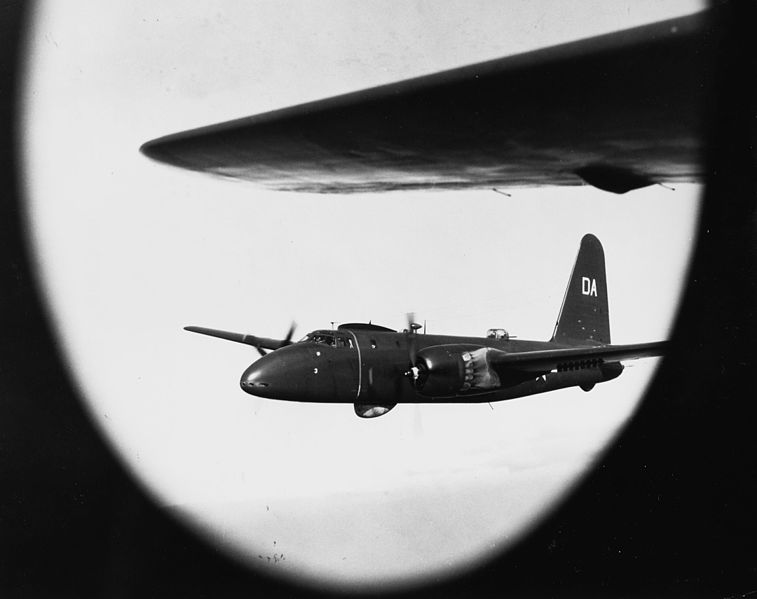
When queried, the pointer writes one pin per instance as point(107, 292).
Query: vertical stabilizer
point(584, 316)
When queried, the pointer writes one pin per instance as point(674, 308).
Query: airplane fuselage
point(376, 368)
point(368, 364)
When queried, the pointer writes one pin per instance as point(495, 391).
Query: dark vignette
point(671, 511)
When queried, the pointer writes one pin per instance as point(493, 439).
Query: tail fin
point(585, 316)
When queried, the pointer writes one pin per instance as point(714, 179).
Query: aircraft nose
point(281, 374)
point(256, 379)
point(273, 376)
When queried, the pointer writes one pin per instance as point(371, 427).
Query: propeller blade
point(288, 338)
point(411, 332)
point(410, 336)
point(418, 422)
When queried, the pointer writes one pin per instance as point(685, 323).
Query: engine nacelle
point(447, 370)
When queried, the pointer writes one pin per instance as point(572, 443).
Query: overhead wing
point(572, 358)
point(619, 111)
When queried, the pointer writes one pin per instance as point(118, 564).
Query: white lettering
point(588, 286)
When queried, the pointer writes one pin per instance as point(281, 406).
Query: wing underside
point(572, 358)
point(619, 111)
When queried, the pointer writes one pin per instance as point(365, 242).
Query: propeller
point(413, 372)
point(412, 349)
point(287, 340)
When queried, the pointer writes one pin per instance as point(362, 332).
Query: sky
point(130, 251)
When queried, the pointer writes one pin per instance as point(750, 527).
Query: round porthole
point(130, 251)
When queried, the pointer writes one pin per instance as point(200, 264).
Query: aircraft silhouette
point(375, 367)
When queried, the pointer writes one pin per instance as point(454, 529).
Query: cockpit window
point(321, 338)
point(327, 338)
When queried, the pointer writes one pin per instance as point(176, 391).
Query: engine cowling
point(447, 370)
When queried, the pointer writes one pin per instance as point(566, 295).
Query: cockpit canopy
point(329, 338)
point(498, 334)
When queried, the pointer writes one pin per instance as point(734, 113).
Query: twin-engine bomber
point(375, 368)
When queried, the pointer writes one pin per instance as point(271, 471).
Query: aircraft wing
point(574, 357)
point(617, 111)
point(258, 342)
